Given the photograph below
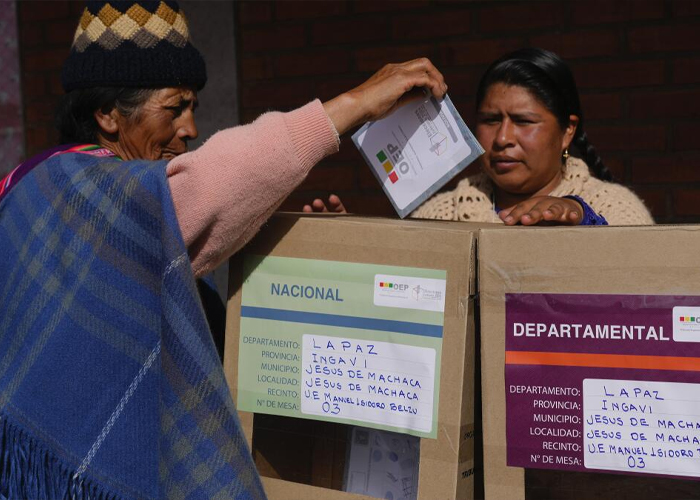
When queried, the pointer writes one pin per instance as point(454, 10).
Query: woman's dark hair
point(75, 118)
point(550, 80)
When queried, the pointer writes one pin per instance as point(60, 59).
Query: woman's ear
point(108, 122)
point(569, 132)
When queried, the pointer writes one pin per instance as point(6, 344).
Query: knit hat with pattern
point(142, 44)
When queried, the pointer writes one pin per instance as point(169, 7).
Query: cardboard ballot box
point(590, 355)
point(350, 355)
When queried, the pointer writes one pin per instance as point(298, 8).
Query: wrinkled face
point(160, 129)
point(523, 141)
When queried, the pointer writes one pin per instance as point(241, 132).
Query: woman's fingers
point(519, 214)
point(436, 80)
point(554, 212)
point(318, 205)
point(336, 205)
point(543, 209)
point(397, 84)
point(382, 93)
point(575, 215)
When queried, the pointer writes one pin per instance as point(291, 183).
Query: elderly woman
point(538, 166)
point(110, 385)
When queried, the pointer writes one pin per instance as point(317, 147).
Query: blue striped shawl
point(110, 385)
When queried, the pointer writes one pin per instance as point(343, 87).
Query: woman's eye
point(176, 110)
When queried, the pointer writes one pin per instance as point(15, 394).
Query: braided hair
point(549, 79)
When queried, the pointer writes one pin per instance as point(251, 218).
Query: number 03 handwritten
point(334, 409)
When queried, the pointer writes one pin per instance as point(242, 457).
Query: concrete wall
point(212, 30)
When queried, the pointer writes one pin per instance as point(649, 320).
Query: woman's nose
point(505, 135)
point(187, 129)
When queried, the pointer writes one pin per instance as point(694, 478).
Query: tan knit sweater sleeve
point(618, 204)
point(470, 201)
point(441, 207)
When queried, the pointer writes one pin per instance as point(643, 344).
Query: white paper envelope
point(416, 150)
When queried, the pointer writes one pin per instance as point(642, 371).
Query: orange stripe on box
point(675, 363)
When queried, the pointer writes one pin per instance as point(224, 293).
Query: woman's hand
point(543, 209)
point(391, 87)
point(334, 205)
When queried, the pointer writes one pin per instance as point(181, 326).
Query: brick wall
point(11, 130)
point(636, 62)
point(46, 30)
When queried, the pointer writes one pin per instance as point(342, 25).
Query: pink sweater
point(226, 189)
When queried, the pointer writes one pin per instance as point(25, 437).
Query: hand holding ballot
point(413, 152)
point(388, 89)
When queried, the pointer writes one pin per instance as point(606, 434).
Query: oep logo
point(393, 162)
point(392, 287)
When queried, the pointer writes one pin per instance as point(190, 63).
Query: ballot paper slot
point(371, 462)
point(299, 450)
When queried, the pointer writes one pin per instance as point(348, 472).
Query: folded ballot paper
point(416, 150)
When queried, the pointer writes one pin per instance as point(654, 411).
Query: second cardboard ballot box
point(350, 354)
point(590, 351)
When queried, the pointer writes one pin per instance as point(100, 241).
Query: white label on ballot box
point(686, 324)
point(416, 150)
point(641, 426)
point(406, 292)
point(368, 381)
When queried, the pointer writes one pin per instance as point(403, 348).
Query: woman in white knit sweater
point(538, 166)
